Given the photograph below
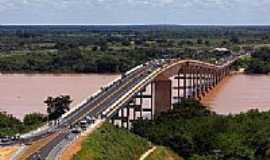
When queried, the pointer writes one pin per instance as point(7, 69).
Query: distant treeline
point(98, 49)
point(79, 61)
point(199, 29)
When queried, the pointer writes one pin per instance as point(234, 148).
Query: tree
point(207, 42)
point(34, 119)
point(235, 40)
point(199, 41)
point(58, 106)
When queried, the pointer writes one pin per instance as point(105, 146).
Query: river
point(25, 93)
point(240, 93)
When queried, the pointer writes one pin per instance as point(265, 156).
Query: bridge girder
point(194, 80)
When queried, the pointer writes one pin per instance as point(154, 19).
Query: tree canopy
point(57, 106)
point(196, 133)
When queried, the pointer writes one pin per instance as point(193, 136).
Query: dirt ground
point(72, 149)
point(7, 152)
point(75, 147)
point(35, 146)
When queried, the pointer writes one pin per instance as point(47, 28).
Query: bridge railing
point(163, 63)
point(115, 106)
point(49, 128)
point(100, 92)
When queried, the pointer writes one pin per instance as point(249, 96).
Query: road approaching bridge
point(148, 89)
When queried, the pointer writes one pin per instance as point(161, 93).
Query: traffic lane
point(44, 151)
point(114, 98)
point(95, 102)
point(106, 93)
point(108, 102)
point(77, 117)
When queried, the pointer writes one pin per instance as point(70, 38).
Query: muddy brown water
point(25, 93)
point(240, 93)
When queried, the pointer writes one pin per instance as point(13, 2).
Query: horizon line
point(122, 24)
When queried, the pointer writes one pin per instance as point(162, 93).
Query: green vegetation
point(86, 49)
point(10, 126)
point(195, 133)
point(163, 153)
point(34, 120)
point(111, 143)
point(243, 62)
point(260, 61)
point(257, 63)
point(57, 106)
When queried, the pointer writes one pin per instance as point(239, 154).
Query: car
point(90, 119)
point(28, 143)
point(83, 124)
point(5, 139)
point(76, 130)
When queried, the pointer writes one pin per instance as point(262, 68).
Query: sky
point(115, 12)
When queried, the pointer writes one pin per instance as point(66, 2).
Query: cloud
point(134, 11)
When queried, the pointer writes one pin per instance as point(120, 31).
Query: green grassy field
point(111, 143)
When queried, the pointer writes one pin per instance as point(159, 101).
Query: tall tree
point(57, 106)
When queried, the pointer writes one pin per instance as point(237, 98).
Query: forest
point(196, 133)
point(116, 49)
point(259, 63)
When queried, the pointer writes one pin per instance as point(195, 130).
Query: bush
point(196, 131)
point(33, 119)
point(10, 126)
point(259, 62)
point(111, 143)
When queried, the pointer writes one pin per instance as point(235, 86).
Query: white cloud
point(152, 11)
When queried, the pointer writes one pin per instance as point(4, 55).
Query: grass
point(163, 153)
point(111, 143)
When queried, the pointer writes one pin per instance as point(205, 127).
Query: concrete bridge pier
point(204, 84)
point(162, 95)
point(212, 80)
point(193, 80)
point(140, 107)
point(198, 86)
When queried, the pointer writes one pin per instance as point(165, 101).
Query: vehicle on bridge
point(121, 102)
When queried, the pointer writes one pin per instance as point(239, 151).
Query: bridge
point(144, 92)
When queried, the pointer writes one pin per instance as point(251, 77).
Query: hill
point(111, 143)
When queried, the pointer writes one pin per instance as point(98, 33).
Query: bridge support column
point(178, 88)
point(204, 83)
point(196, 88)
point(162, 96)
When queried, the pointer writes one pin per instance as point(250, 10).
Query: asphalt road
point(94, 107)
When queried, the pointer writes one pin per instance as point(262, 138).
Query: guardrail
point(164, 63)
point(48, 128)
point(85, 101)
